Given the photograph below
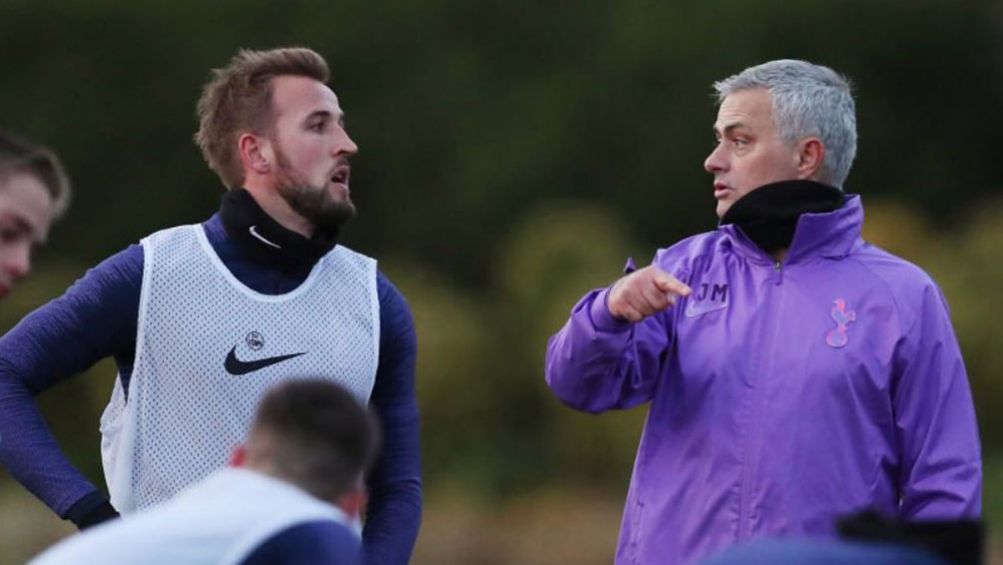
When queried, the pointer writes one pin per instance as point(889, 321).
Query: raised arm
point(611, 351)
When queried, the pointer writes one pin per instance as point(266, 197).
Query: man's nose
point(345, 146)
point(17, 261)
point(715, 162)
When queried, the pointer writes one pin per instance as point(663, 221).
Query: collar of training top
point(264, 239)
point(769, 214)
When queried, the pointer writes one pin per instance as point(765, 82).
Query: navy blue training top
point(309, 543)
point(96, 318)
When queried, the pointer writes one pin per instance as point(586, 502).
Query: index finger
point(668, 283)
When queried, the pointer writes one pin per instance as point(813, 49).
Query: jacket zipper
point(754, 447)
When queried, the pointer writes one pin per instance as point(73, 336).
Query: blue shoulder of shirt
point(307, 544)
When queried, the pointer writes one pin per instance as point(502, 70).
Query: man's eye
point(318, 126)
point(737, 142)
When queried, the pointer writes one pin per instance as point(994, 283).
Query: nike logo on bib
point(235, 366)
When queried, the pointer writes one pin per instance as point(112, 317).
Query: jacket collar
point(828, 234)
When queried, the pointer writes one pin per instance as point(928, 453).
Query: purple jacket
point(782, 395)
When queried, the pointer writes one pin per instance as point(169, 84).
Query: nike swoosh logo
point(254, 232)
point(235, 366)
point(699, 307)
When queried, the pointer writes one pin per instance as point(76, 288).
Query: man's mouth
point(720, 189)
point(341, 175)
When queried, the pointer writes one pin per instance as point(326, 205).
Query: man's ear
point(256, 154)
point(239, 456)
point(810, 154)
point(353, 502)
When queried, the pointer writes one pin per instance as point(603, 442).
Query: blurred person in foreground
point(34, 191)
point(795, 372)
point(822, 552)
point(202, 319)
point(292, 494)
point(867, 538)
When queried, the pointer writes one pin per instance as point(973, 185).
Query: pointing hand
point(644, 292)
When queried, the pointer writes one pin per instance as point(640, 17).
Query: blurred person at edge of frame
point(202, 319)
point(292, 494)
point(795, 373)
point(34, 191)
point(867, 538)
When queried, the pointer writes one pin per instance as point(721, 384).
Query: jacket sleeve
point(394, 513)
point(598, 362)
point(95, 318)
point(940, 460)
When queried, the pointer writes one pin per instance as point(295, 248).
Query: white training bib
point(220, 520)
point(208, 348)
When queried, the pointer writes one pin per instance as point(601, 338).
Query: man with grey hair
point(795, 372)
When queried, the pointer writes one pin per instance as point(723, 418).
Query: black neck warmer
point(265, 240)
point(769, 214)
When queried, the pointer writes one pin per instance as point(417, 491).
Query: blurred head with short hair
point(34, 191)
point(317, 436)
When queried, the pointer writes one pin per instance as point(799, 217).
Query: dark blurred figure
point(822, 552)
point(959, 542)
point(293, 494)
point(869, 539)
point(34, 191)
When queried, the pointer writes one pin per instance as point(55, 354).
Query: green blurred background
point(513, 154)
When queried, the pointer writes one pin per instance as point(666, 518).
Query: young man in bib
point(203, 319)
point(292, 494)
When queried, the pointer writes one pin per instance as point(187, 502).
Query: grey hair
point(808, 101)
